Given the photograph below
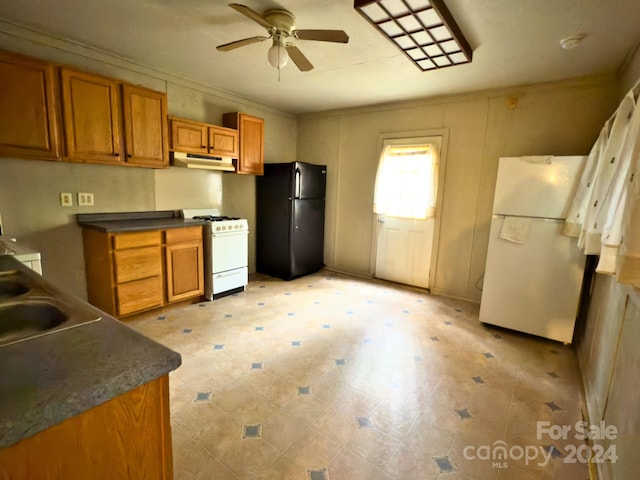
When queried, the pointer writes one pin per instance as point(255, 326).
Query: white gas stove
point(226, 252)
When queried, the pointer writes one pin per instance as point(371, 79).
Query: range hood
point(207, 162)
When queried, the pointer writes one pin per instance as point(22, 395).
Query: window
point(407, 179)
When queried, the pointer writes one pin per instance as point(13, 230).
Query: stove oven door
point(229, 257)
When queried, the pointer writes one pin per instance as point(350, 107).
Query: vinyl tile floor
point(331, 377)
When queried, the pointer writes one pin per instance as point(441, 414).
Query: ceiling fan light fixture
point(424, 30)
point(280, 25)
point(277, 55)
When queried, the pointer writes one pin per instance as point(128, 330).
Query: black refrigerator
point(290, 219)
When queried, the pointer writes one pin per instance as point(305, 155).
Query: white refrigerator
point(533, 275)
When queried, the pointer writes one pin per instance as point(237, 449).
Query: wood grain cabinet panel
point(250, 140)
point(137, 263)
point(136, 239)
point(145, 126)
point(139, 295)
point(58, 113)
point(188, 136)
point(127, 437)
point(92, 118)
point(29, 115)
point(128, 273)
point(124, 271)
point(184, 263)
point(223, 141)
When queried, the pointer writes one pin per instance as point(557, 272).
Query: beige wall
point(556, 118)
point(29, 190)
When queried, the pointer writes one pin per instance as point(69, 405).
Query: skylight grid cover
point(423, 30)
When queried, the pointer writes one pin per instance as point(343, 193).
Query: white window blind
point(406, 181)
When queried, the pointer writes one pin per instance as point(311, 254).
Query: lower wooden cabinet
point(184, 263)
point(126, 437)
point(129, 273)
point(133, 297)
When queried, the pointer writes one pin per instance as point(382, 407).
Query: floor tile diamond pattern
point(403, 388)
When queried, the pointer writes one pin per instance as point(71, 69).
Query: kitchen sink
point(12, 287)
point(31, 307)
point(28, 319)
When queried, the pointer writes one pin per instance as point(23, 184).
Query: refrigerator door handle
point(297, 187)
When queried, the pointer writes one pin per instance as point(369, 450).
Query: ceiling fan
point(280, 25)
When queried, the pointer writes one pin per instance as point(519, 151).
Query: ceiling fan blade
point(240, 43)
point(303, 64)
point(338, 36)
point(246, 11)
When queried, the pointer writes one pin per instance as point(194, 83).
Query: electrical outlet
point(85, 199)
point(66, 200)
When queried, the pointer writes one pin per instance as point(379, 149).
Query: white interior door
point(403, 252)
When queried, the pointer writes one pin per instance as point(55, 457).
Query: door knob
point(381, 220)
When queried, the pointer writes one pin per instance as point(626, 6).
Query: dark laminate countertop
point(135, 221)
point(47, 379)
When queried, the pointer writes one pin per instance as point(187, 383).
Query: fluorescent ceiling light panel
point(428, 22)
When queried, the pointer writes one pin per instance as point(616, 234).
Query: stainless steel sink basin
point(12, 287)
point(31, 307)
point(28, 319)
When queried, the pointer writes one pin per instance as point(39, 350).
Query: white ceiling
point(514, 42)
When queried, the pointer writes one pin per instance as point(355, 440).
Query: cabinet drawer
point(136, 239)
point(139, 295)
point(177, 235)
point(137, 263)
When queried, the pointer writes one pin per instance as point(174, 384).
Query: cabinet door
point(184, 264)
point(128, 436)
point(29, 126)
point(145, 126)
point(251, 141)
point(223, 142)
point(190, 137)
point(91, 112)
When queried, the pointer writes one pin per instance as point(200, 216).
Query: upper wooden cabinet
point(251, 141)
point(109, 122)
point(223, 141)
point(29, 115)
point(188, 136)
point(92, 118)
point(197, 137)
point(145, 126)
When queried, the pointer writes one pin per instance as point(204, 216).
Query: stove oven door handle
point(229, 233)
point(225, 274)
